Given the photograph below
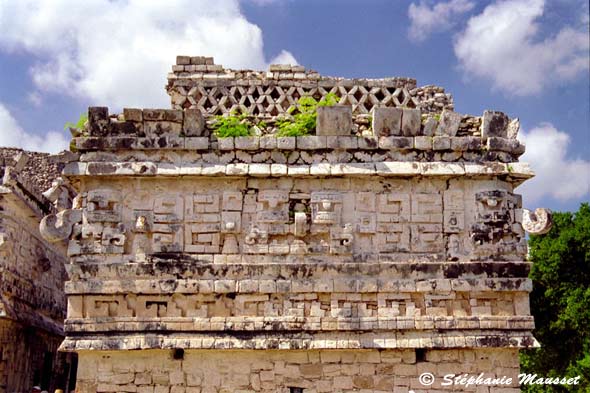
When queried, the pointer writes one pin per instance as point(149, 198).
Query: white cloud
point(263, 3)
point(426, 20)
point(118, 53)
point(12, 135)
point(557, 174)
point(503, 44)
point(284, 58)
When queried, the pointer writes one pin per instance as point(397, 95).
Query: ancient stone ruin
point(388, 244)
point(32, 275)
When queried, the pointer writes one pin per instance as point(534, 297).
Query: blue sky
point(528, 58)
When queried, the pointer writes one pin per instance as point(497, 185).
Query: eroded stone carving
point(538, 222)
point(58, 227)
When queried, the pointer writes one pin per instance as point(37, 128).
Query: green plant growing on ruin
point(79, 125)
point(232, 125)
point(305, 117)
point(77, 129)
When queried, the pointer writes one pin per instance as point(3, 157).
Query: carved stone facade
point(350, 260)
point(32, 275)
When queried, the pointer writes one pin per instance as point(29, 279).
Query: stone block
point(423, 143)
point(368, 143)
point(396, 142)
point(342, 142)
point(134, 115)
point(268, 142)
point(334, 120)
point(194, 123)
point(466, 143)
point(286, 143)
point(312, 142)
point(449, 123)
point(196, 143)
point(506, 145)
point(183, 60)
point(387, 121)
point(441, 143)
point(98, 121)
point(246, 142)
point(494, 124)
point(225, 143)
point(430, 126)
point(411, 122)
point(171, 115)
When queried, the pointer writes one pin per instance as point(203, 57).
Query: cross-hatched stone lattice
point(273, 100)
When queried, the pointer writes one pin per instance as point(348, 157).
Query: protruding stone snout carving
point(538, 222)
point(58, 227)
point(60, 194)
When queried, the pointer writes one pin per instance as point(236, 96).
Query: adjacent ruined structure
point(32, 275)
point(388, 244)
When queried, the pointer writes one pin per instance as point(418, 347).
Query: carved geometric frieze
point(202, 208)
point(322, 303)
point(427, 208)
point(394, 207)
point(167, 238)
point(103, 205)
point(454, 211)
point(168, 208)
point(232, 201)
point(427, 238)
point(326, 207)
point(272, 206)
point(202, 238)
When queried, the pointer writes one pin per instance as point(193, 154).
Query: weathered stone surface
point(387, 121)
point(132, 114)
point(170, 115)
point(98, 120)
point(448, 123)
point(411, 122)
point(334, 120)
point(494, 124)
point(32, 300)
point(194, 123)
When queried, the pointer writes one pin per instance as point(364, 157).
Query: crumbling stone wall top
point(36, 170)
point(197, 82)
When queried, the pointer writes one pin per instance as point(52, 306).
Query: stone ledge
point(185, 266)
point(278, 324)
point(311, 143)
point(519, 171)
point(300, 341)
point(341, 284)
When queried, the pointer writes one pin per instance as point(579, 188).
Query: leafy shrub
point(234, 124)
point(79, 124)
point(305, 119)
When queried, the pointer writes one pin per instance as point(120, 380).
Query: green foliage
point(79, 124)
point(304, 115)
point(234, 124)
point(560, 302)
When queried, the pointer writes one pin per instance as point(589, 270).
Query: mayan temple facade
point(388, 244)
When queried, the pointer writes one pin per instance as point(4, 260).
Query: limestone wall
point(334, 371)
point(32, 275)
